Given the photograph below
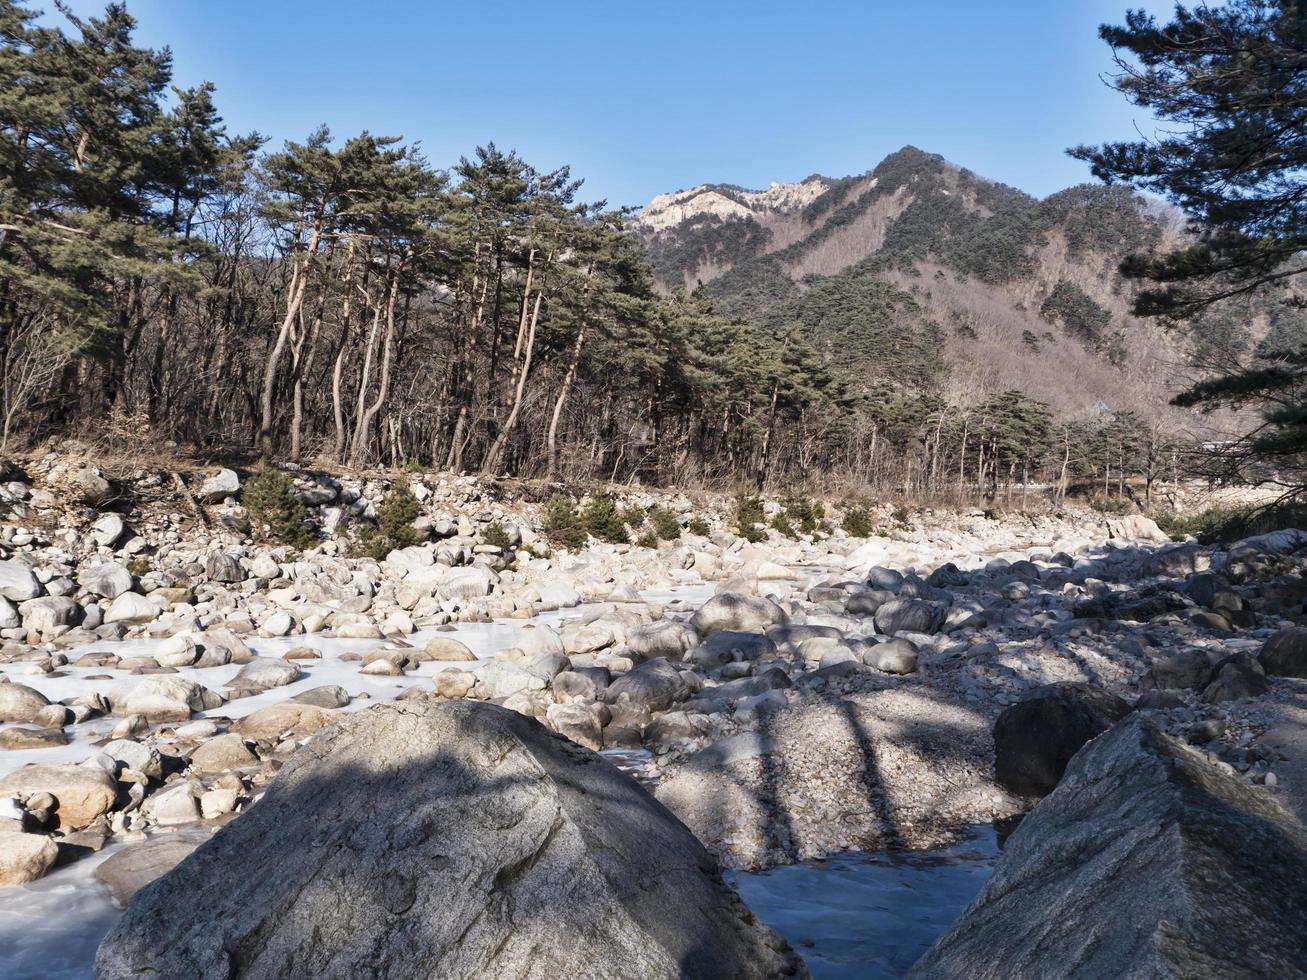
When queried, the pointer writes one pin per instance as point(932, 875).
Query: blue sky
point(645, 97)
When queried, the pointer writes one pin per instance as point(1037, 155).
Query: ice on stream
point(870, 916)
point(49, 930)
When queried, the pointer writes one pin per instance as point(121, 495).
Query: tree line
point(347, 303)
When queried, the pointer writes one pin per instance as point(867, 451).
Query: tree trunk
point(496, 452)
point(294, 299)
point(552, 438)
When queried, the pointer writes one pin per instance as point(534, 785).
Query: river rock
point(49, 612)
point(447, 648)
point(1146, 861)
point(223, 753)
point(1237, 676)
point(326, 696)
point(25, 857)
point(108, 530)
point(286, 719)
point(18, 702)
point(742, 613)
point(225, 483)
point(128, 871)
point(655, 684)
point(264, 673)
point(1035, 738)
point(221, 567)
point(668, 638)
point(564, 868)
point(1284, 654)
point(17, 582)
point(81, 793)
point(108, 580)
point(131, 609)
point(897, 656)
point(164, 698)
point(910, 616)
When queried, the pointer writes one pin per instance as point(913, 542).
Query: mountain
point(921, 273)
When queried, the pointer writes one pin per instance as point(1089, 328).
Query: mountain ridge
point(992, 287)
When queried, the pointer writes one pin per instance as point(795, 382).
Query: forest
point(345, 302)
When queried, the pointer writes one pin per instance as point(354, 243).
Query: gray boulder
point(1237, 676)
point(732, 611)
point(1035, 738)
point(656, 684)
point(1146, 861)
point(108, 580)
point(910, 616)
point(220, 567)
point(502, 850)
point(668, 638)
point(897, 656)
point(49, 612)
point(17, 582)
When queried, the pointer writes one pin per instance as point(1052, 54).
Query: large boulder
point(1137, 527)
point(264, 673)
point(285, 720)
point(501, 850)
point(742, 613)
point(1284, 654)
point(1177, 562)
point(164, 698)
point(1035, 738)
point(131, 608)
point(1146, 861)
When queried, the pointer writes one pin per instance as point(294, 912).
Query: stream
point(853, 915)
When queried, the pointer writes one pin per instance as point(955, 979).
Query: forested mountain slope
point(922, 273)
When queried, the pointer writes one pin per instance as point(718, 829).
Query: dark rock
point(1237, 676)
point(727, 645)
point(1035, 738)
point(884, 579)
point(1146, 861)
point(947, 576)
point(1185, 669)
point(1284, 654)
point(909, 616)
point(448, 839)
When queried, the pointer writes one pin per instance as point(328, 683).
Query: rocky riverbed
point(785, 699)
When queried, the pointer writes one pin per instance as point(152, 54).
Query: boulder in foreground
point(452, 839)
point(1146, 861)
